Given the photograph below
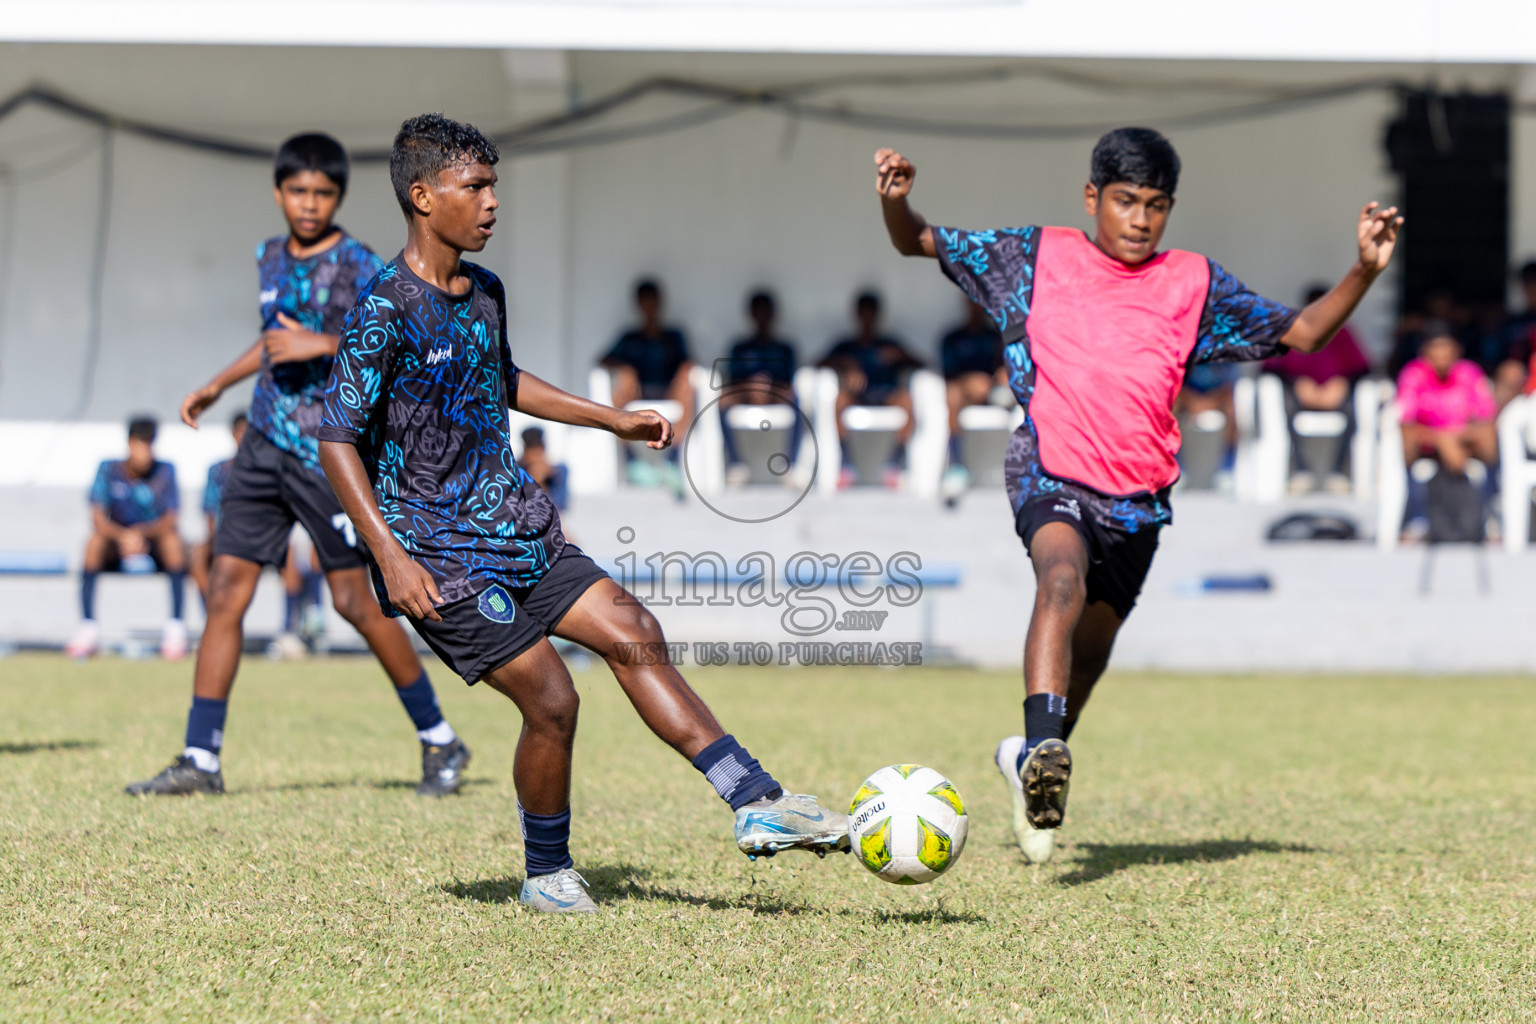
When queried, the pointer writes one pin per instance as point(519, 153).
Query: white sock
point(206, 760)
point(440, 735)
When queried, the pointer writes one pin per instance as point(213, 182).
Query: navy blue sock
point(312, 582)
point(293, 606)
point(420, 702)
point(88, 595)
point(734, 773)
point(178, 593)
point(1045, 718)
point(546, 841)
point(205, 724)
point(954, 449)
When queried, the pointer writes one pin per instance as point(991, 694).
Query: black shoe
point(442, 768)
point(1046, 776)
point(181, 778)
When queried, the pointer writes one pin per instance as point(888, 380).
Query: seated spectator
point(201, 558)
point(760, 370)
point(1447, 408)
point(872, 369)
point(1208, 388)
point(548, 475)
point(1519, 333)
point(1322, 381)
point(134, 505)
point(651, 361)
point(971, 356)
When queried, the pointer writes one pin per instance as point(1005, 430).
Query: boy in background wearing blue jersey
point(309, 279)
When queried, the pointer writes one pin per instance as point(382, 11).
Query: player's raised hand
point(894, 174)
point(410, 587)
point(1377, 233)
point(197, 402)
point(646, 425)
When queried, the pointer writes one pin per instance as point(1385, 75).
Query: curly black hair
point(429, 143)
point(1140, 156)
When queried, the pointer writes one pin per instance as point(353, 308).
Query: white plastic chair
point(927, 451)
point(1517, 469)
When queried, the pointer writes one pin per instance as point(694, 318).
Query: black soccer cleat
point(442, 768)
point(1046, 776)
point(182, 778)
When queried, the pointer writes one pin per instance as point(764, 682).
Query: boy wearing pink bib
point(1098, 332)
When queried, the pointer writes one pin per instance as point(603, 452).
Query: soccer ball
point(907, 824)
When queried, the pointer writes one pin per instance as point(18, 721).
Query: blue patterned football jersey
point(421, 385)
point(317, 291)
point(132, 500)
point(213, 490)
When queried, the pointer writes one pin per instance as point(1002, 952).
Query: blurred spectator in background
point(760, 370)
point(1208, 389)
point(1441, 309)
point(872, 369)
point(548, 475)
point(1321, 381)
point(971, 355)
point(1447, 405)
point(1520, 336)
point(201, 557)
point(651, 361)
point(134, 504)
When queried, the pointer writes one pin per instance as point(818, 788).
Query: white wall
point(714, 211)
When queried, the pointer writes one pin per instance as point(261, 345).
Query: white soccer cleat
point(790, 821)
point(173, 640)
point(1037, 844)
point(86, 641)
point(563, 892)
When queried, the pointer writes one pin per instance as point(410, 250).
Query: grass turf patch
point(1247, 848)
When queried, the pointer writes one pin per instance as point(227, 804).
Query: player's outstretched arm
point(195, 404)
point(910, 233)
point(409, 587)
point(542, 399)
point(1376, 233)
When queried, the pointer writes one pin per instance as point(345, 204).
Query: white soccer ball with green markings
point(907, 824)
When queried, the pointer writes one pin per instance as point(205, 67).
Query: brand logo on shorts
point(1068, 506)
point(496, 605)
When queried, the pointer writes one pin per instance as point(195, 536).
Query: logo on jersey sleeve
point(497, 605)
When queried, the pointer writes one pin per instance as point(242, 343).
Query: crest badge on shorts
point(497, 605)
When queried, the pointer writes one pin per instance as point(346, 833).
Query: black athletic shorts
point(1117, 561)
point(486, 631)
point(267, 492)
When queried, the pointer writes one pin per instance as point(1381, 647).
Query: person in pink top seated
point(1098, 332)
point(1447, 405)
point(1322, 381)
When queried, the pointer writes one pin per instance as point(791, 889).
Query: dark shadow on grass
point(1104, 859)
point(42, 746)
point(294, 787)
point(610, 883)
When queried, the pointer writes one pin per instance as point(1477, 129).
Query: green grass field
point(1254, 848)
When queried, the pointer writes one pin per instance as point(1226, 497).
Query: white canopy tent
point(125, 273)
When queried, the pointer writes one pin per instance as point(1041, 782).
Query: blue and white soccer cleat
point(790, 821)
point(562, 892)
point(1037, 844)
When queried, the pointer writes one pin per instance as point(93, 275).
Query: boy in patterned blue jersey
point(134, 511)
point(1099, 334)
point(309, 279)
point(417, 443)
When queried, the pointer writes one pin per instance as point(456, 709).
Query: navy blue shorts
point(482, 633)
point(1118, 562)
point(268, 490)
